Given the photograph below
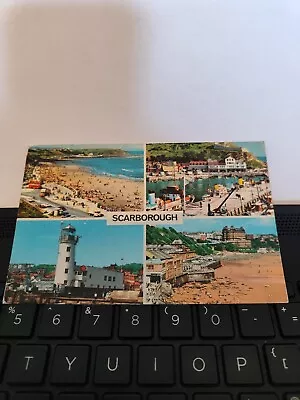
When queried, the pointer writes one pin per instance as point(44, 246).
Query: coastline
point(78, 187)
point(259, 279)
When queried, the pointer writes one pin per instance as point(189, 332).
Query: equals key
point(289, 319)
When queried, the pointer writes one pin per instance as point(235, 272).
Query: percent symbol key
point(17, 320)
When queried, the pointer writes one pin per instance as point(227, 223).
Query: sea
point(198, 188)
point(262, 158)
point(131, 167)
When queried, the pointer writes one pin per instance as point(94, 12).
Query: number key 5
point(135, 322)
point(56, 321)
point(17, 320)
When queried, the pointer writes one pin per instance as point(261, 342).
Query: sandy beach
point(79, 188)
point(245, 279)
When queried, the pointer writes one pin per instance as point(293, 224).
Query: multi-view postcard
point(156, 223)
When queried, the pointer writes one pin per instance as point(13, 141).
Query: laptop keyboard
point(94, 352)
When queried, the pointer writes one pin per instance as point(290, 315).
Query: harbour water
point(198, 188)
point(131, 167)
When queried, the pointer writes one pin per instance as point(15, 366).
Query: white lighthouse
point(64, 272)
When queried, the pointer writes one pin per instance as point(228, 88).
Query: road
point(35, 195)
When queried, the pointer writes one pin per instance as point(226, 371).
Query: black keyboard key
point(2, 287)
point(76, 396)
point(175, 321)
point(289, 319)
point(290, 289)
point(96, 322)
point(135, 322)
point(3, 396)
point(17, 320)
point(284, 363)
point(121, 396)
point(215, 321)
point(70, 365)
point(32, 396)
point(258, 396)
point(113, 365)
point(255, 320)
point(167, 396)
point(26, 364)
point(155, 365)
point(199, 365)
point(212, 396)
point(56, 321)
point(242, 365)
point(3, 353)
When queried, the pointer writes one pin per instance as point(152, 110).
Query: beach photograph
point(82, 181)
point(209, 179)
point(75, 262)
point(235, 260)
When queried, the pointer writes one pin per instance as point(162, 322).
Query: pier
point(249, 199)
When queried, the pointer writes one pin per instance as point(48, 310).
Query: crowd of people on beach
point(83, 192)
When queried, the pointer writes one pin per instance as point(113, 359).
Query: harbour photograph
point(82, 181)
point(82, 262)
point(235, 260)
point(209, 179)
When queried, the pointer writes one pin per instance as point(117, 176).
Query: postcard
point(209, 178)
point(214, 261)
point(81, 181)
point(154, 223)
point(82, 262)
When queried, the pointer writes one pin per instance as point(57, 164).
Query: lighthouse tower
point(64, 272)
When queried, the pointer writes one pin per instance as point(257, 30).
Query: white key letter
point(241, 362)
point(155, 366)
point(285, 366)
point(112, 369)
point(202, 364)
point(28, 361)
point(70, 362)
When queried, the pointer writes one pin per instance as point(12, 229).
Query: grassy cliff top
point(185, 152)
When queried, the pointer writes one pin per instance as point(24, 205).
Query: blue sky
point(129, 147)
point(37, 242)
point(255, 225)
point(257, 148)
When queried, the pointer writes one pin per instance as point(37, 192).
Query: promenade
point(237, 204)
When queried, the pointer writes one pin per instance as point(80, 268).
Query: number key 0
point(135, 322)
point(56, 321)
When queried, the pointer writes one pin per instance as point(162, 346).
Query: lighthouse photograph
point(75, 263)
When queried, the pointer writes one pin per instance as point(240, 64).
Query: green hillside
point(185, 152)
point(156, 235)
point(132, 267)
point(37, 154)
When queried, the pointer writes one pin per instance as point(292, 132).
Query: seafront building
point(177, 264)
point(236, 236)
point(228, 164)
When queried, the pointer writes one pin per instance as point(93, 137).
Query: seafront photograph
point(81, 181)
point(75, 262)
point(214, 261)
point(209, 179)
